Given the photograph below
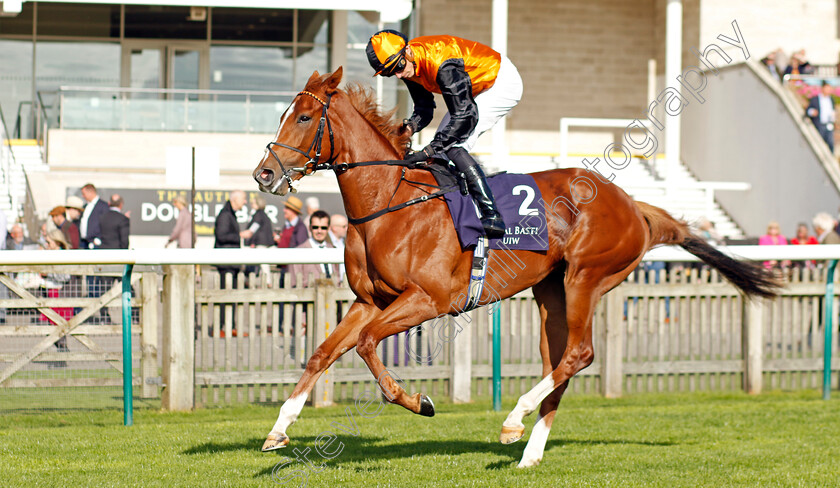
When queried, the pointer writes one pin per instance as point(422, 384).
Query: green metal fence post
point(497, 359)
point(128, 387)
point(829, 321)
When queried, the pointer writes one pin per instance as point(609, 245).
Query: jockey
point(479, 87)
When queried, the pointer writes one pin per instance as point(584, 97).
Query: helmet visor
point(393, 65)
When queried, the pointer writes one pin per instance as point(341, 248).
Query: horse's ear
point(332, 82)
point(314, 77)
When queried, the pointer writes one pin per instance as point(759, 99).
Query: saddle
point(518, 199)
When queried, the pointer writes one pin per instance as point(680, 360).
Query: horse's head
point(304, 138)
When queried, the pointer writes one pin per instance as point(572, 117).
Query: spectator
point(294, 231)
point(53, 283)
point(821, 111)
point(823, 227)
point(67, 227)
point(793, 67)
point(804, 66)
point(75, 206)
point(338, 229)
point(769, 62)
point(773, 238)
point(182, 233)
point(16, 241)
point(319, 226)
point(312, 206)
point(227, 236)
point(89, 227)
point(258, 234)
point(114, 226)
point(708, 232)
point(802, 238)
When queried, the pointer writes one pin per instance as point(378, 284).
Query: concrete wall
point(768, 25)
point(744, 132)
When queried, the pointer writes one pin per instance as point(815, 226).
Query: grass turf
point(691, 440)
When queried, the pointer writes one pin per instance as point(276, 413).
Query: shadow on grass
point(361, 449)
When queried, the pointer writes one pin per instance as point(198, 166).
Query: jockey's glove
point(421, 155)
point(408, 126)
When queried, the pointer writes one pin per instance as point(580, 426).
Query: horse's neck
point(367, 189)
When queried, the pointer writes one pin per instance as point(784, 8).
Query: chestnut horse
point(407, 266)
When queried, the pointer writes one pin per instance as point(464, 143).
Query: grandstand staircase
point(27, 160)
point(641, 181)
point(690, 204)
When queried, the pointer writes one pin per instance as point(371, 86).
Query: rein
point(313, 165)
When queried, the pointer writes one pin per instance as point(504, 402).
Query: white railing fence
point(200, 343)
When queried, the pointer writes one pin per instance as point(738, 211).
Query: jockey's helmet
point(386, 52)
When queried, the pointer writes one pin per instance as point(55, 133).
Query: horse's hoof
point(275, 441)
point(510, 435)
point(427, 408)
point(528, 463)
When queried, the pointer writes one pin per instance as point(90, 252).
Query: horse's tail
point(751, 278)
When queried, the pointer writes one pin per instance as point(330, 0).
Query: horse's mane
point(363, 99)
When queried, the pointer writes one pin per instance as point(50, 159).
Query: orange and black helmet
point(386, 52)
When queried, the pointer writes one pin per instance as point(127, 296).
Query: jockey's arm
point(424, 106)
point(456, 88)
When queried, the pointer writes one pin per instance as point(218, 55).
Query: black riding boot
point(480, 191)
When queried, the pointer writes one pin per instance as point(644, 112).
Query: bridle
point(316, 144)
point(314, 164)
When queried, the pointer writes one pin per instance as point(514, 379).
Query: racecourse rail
point(180, 313)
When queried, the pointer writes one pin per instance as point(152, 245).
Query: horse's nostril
point(266, 175)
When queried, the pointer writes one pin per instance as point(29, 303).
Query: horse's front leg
point(340, 341)
point(411, 308)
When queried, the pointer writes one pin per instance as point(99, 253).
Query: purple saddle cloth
point(520, 202)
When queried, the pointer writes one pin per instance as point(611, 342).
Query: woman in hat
point(479, 86)
point(294, 230)
point(75, 206)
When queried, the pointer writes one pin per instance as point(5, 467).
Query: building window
point(246, 24)
point(158, 22)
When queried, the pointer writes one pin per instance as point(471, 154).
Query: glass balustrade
point(171, 110)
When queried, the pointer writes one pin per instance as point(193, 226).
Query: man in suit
point(319, 224)
point(114, 226)
point(821, 111)
point(89, 230)
point(226, 233)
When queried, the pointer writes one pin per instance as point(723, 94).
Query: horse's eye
point(304, 118)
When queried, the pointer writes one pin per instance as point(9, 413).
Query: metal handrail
point(174, 91)
point(7, 162)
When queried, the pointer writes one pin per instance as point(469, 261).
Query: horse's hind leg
point(340, 341)
point(551, 298)
point(583, 290)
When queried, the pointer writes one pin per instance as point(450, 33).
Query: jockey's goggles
point(386, 52)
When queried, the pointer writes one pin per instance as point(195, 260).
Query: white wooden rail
point(179, 328)
point(152, 257)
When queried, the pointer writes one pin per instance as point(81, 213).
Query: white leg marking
point(528, 402)
point(536, 444)
point(289, 413)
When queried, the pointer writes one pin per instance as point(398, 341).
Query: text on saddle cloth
point(518, 199)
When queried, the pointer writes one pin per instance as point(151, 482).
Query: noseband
point(316, 144)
